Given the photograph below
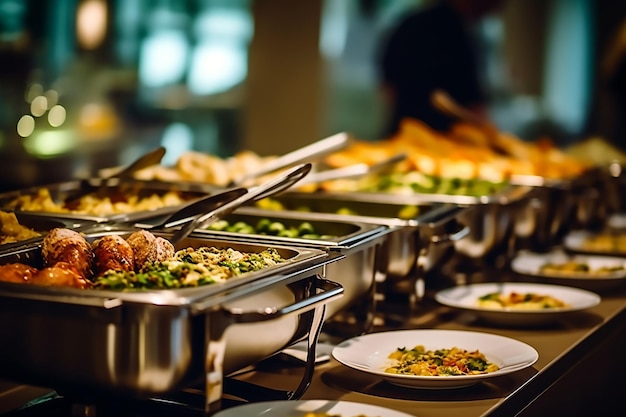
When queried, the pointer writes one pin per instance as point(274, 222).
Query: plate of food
point(435, 359)
point(590, 272)
point(309, 408)
point(609, 242)
point(513, 303)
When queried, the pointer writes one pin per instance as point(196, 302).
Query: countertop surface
point(563, 346)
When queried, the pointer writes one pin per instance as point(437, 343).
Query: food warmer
point(421, 235)
point(360, 243)
point(99, 197)
point(91, 345)
point(478, 229)
point(558, 206)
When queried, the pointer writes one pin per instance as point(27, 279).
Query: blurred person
point(433, 48)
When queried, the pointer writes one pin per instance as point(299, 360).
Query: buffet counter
point(572, 376)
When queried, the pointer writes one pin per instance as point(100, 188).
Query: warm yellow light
point(50, 143)
point(56, 116)
point(39, 106)
point(25, 126)
point(91, 23)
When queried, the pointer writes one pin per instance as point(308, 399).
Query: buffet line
point(161, 278)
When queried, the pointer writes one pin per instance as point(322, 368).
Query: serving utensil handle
point(329, 291)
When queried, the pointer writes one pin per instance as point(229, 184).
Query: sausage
point(112, 252)
point(62, 274)
point(65, 245)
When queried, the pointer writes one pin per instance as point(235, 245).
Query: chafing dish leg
point(214, 365)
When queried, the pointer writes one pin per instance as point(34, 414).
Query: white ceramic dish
point(529, 264)
point(369, 353)
point(466, 297)
point(300, 408)
point(577, 240)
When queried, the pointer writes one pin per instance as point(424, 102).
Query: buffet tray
point(557, 206)
point(42, 225)
point(114, 190)
point(145, 343)
point(360, 243)
point(415, 241)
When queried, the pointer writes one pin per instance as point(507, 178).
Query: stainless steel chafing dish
point(150, 343)
point(487, 220)
point(113, 189)
point(413, 245)
point(360, 243)
point(558, 206)
point(612, 188)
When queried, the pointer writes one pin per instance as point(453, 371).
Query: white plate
point(529, 263)
point(300, 408)
point(575, 241)
point(466, 297)
point(369, 353)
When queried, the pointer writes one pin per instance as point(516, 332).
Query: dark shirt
point(429, 49)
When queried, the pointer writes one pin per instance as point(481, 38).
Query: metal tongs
point(353, 171)
point(94, 185)
point(307, 153)
point(442, 101)
point(228, 202)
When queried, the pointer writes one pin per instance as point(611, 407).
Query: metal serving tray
point(145, 343)
point(413, 246)
point(408, 239)
point(359, 242)
point(114, 188)
point(42, 225)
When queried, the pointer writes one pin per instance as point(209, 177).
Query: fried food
point(12, 231)
point(66, 245)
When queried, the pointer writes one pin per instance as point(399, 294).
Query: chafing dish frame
point(196, 321)
point(358, 242)
point(62, 191)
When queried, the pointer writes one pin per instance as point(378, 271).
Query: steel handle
point(330, 291)
point(450, 238)
point(305, 154)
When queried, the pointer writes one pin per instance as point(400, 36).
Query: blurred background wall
point(89, 84)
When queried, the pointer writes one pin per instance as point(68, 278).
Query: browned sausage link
point(112, 252)
point(65, 245)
